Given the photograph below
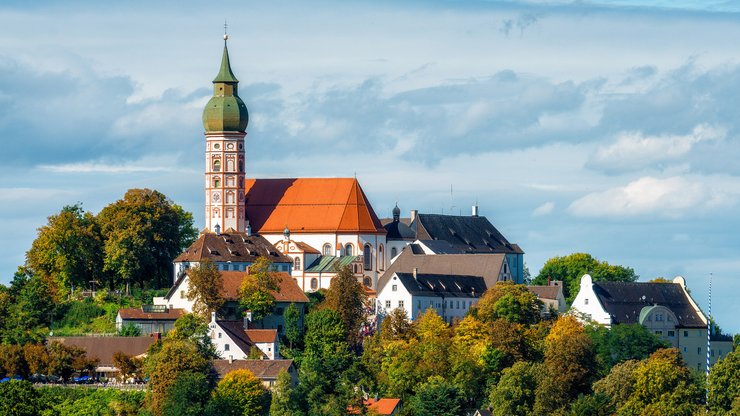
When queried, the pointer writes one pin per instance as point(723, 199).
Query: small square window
point(400, 304)
point(394, 288)
point(671, 333)
point(219, 335)
point(226, 347)
point(388, 304)
point(685, 334)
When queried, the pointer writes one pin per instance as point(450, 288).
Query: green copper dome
point(225, 111)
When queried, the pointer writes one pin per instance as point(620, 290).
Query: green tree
point(514, 395)
point(193, 328)
point(509, 301)
point(622, 342)
point(283, 400)
point(255, 293)
point(293, 327)
point(128, 366)
point(129, 330)
point(65, 360)
point(592, 404)
point(188, 395)
point(619, 384)
point(240, 393)
point(348, 298)
point(68, 249)
point(19, 398)
point(569, 270)
point(568, 367)
point(206, 284)
point(396, 326)
point(142, 233)
point(724, 384)
point(436, 397)
point(32, 309)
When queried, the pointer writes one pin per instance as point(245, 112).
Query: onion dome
point(396, 213)
point(225, 111)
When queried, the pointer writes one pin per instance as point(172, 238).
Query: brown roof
point(545, 292)
point(486, 265)
point(232, 246)
point(262, 335)
point(139, 314)
point(103, 348)
point(262, 369)
point(309, 205)
point(305, 247)
point(289, 289)
point(235, 330)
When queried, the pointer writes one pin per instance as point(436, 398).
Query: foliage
point(68, 249)
point(592, 404)
point(509, 301)
point(619, 384)
point(569, 270)
point(348, 298)
point(622, 342)
point(396, 326)
point(129, 330)
point(12, 361)
point(63, 401)
point(205, 288)
point(568, 368)
point(255, 291)
point(724, 384)
point(142, 233)
point(19, 398)
point(283, 400)
point(293, 328)
point(193, 328)
point(129, 367)
point(436, 397)
point(66, 360)
point(240, 393)
point(188, 395)
point(514, 395)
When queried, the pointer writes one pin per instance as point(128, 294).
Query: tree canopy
point(255, 293)
point(205, 286)
point(348, 298)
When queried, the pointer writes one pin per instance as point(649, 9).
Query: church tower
point(225, 121)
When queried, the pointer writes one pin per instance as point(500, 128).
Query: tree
point(65, 360)
point(514, 395)
point(32, 309)
point(592, 404)
point(206, 285)
point(188, 395)
point(129, 330)
point(348, 298)
point(240, 393)
point(293, 328)
point(509, 301)
point(396, 326)
point(37, 358)
point(193, 328)
point(142, 233)
point(724, 384)
point(19, 398)
point(568, 367)
point(283, 403)
point(255, 293)
point(619, 384)
point(68, 249)
point(436, 397)
point(569, 270)
point(622, 342)
point(129, 367)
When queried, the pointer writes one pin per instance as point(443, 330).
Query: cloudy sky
point(611, 127)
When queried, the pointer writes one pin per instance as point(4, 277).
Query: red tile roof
point(138, 314)
point(289, 290)
point(309, 205)
point(261, 335)
point(380, 407)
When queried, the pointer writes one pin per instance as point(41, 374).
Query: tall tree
point(514, 395)
point(622, 342)
point(514, 303)
point(206, 285)
point(569, 270)
point(619, 384)
point(142, 233)
point(437, 397)
point(19, 398)
point(293, 327)
point(68, 249)
point(188, 395)
point(193, 328)
point(348, 298)
point(240, 393)
point(283, 403)
point(255, 293)
point(724, 384)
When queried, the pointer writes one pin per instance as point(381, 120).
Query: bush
point(19, 398)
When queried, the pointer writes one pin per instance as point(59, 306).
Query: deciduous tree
point(188, 395)
point(206, 286)
point(514, 395)
point(619, 384)
point(240, 393)
point(724, 384)
point(283, 400)
point(255, 293)
point(436, 397)
point(293, 327)
point(514, 303)
point(622, 342)
point(19, 398)
point(348, 298)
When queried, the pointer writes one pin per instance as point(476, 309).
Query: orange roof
point(380, 406)
point(309, 205)
point(261, 335)
point(289, 290)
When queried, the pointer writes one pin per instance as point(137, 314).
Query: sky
point(607, 127)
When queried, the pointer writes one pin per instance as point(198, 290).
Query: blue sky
point(610, 127)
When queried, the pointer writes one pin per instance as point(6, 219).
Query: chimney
point(475, 211)
point(413, 214)
point(231, 359)
point(416, 272)
point(213, 316)
point(247, 317)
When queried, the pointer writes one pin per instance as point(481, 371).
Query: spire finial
point(226, 31)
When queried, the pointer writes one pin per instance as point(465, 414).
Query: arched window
point(314, 283)
point(327, 249)
point(368, 257)
point(230, 165)
point(230, 197)
point(394, 252)
point(217, 165)
point(368, 282)
point(297, 264)
point(349, 250)
point(381, 257)
point(216, 182)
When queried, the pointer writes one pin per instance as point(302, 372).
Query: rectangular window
point(685, 334)
point(712, 351)
point(394, 288)
point(400, 304)
point(659, 317)
point(219, 335)
point(226, 347)
point(388, 304)
point(671, 333)
point(458, 304)
point(182, 294)
point(418, 304)
point(659, 333)
point(585, 301)
point(684, 349)
point(698, 350)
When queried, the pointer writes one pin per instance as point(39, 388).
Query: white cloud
point(670, 197)
point(167, 163)
point(633, 150)
point(543, 209)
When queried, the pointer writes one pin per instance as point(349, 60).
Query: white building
point(235, 340)
point(451, 296)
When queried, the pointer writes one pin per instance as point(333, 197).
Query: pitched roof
point(545, 292)
point(289, 289)
point(439, 247)
point(309, 205)
point(262, 369)
point(473, 234)
point(487, 266)
point(262, 335)
point(383, 406)
point(305, 247)
point(103, 348)
point(447, 285)
point(233, 247)
point(398, 230)
point(235, 331)
point(139, 314)
point(330, 264)
point(624, 301)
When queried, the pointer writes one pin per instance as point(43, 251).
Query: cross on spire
point(226, 32)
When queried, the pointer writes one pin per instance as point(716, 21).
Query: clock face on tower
point(216, 197)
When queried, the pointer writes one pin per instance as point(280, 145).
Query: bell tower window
point(217, 165)
point(216, 182)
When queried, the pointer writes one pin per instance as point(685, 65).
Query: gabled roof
point(398, 230)
point(488, 266)
point(305, 247)
point(447, 285)
point(289, 289)
point(245, 339)
point(139, 314)
point(233, 247)
point(438, 247)
point(262, 369)
point(103, 348)
point(329, 264)
point(382, 407)
point(309, 205)
point(624, 301)
point(474, 234)
point(545, 292)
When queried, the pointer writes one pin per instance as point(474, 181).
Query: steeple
point(225, 111)
point(225, 74)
